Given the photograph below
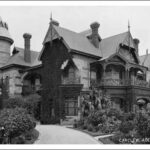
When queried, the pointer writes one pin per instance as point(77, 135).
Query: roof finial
point(128, 26)
point(51, 17)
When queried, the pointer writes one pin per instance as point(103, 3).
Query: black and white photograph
point(74, 74)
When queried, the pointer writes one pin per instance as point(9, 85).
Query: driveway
point(53, 134)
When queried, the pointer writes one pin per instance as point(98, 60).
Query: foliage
point(122, 138)
point(28, 137)
point(96, 117)
point(143, 125)
point(112, 112)
point(30, 103)
point(111, 125)
point(128, 116)
point(16, 121)
point(127, 126)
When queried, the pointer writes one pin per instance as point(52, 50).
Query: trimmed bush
point(16, 121)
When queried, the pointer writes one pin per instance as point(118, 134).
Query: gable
point(117, 59)
point(128, 40)
point(128, 55)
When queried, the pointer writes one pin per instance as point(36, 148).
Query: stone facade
point(15, 83)
point(83, 63)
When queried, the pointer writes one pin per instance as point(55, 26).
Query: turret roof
point(4, 33)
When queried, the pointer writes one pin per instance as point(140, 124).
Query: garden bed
point(98, 133)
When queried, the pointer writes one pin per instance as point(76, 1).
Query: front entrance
point(71, 107)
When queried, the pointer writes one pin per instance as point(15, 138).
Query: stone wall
point(15, 83)
point(83, 64)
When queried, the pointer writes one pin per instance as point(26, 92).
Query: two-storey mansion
point(72, 62)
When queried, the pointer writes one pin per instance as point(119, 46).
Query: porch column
point(126, 75)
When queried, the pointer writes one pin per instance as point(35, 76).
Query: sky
point(113, 20)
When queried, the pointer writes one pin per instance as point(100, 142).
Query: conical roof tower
point(5, 42)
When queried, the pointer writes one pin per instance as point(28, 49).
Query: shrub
point(143, 125)
point(30, 103)
point(13, 102)
point(128, 116)
point(111, 125)
point(127, 126)
point(16, 121)
point(19, 140)
point(97, 117)
point(112, 112)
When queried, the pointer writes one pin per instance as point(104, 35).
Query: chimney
point(95, 38)
point(27, 53)
point(136, 43)
point(147, 52)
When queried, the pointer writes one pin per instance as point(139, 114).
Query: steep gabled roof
point(73, 40)
point(110, 45)
point(79, 42)
point(18, 59)
point(145, 60)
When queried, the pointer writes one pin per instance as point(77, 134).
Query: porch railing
point(120, 82)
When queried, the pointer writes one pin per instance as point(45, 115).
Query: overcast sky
point(113, 20)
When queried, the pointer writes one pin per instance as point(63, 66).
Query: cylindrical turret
point(5, 43)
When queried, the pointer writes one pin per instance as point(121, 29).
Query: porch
point(118, 74)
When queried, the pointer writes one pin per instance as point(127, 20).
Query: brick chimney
point(27, 52)
point(136, 43)
point(95, 38)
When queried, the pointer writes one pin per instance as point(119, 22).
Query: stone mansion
point(70, 63)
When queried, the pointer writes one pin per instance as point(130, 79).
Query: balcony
point(120, 82)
